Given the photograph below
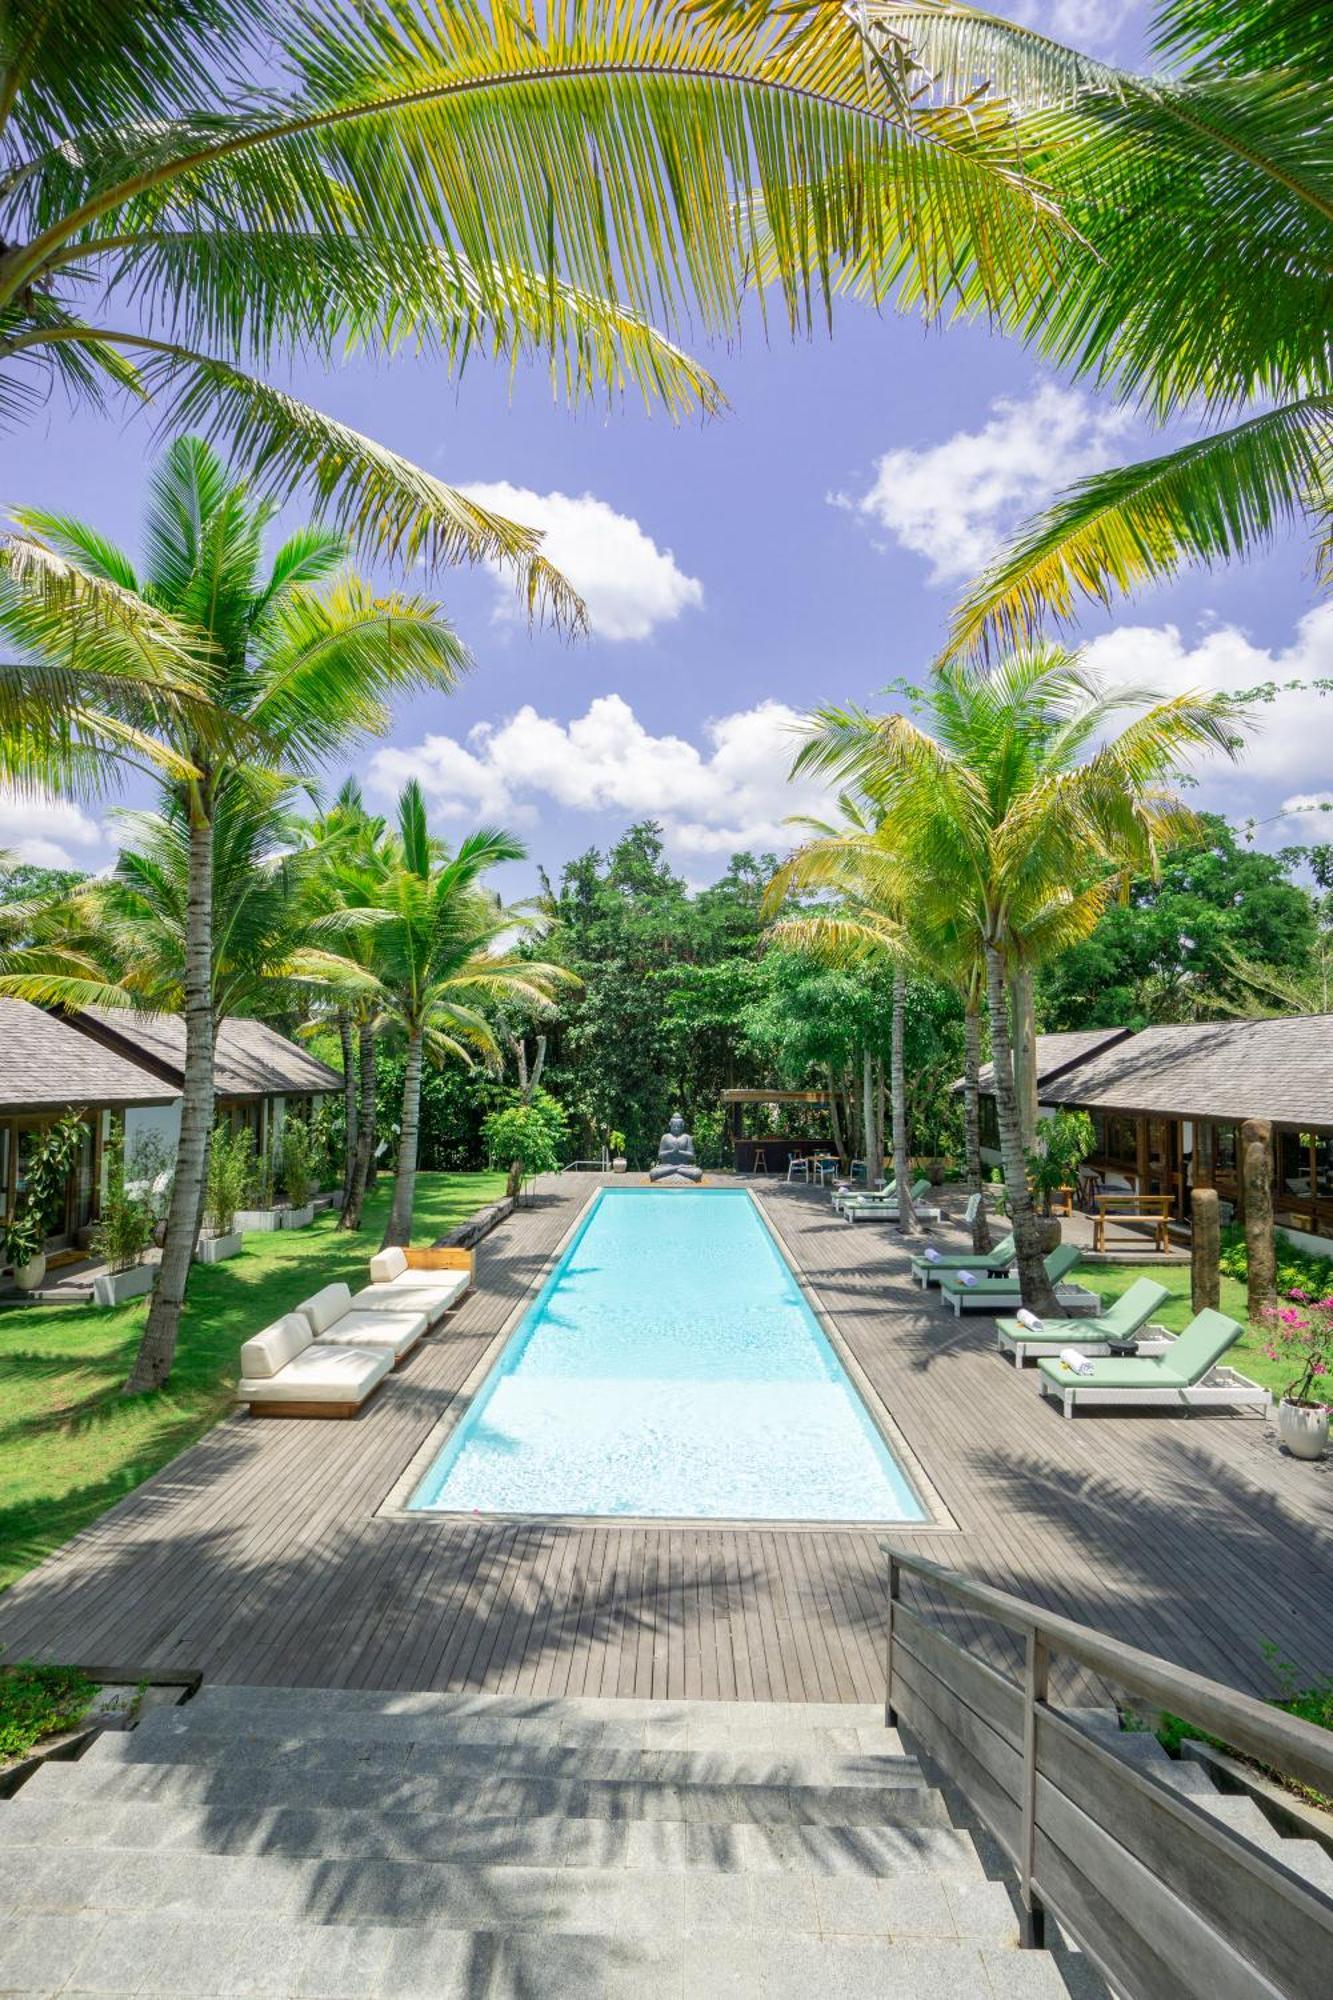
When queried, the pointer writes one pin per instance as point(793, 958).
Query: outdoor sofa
point(286, 1372)
point(1115, 1329)
point(992, 1263)
point(1186, 1376)
point(994, 1294)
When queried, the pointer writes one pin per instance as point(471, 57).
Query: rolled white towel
point(967, 1277)
point(931, 1254)
point(1028, 1319)
point(1076, 1362)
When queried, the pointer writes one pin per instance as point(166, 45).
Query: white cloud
point(629, 585)
point(1310, 814)
point(1291, 747)
point(952, 502)
point(41, 831)
point(731, 793)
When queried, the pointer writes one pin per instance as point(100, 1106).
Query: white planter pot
point(212, 1249)
point(29, 1276)
point(116, 1286)
point(298, 1218)
point(1303, 1429)
point(620, 1164)
point(250, 1219)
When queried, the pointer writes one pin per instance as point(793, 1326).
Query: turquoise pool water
point(670, 1367)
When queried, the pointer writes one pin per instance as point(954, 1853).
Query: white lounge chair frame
point(1151, 1343)
point(1221, 1388)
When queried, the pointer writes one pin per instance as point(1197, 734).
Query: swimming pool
point(670, 1367)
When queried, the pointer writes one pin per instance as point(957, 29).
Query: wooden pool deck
point(260, 1555)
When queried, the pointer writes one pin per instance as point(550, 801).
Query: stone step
point(254, 1785)
point(732, 1719)
point(651, 1899)
point(122, 1955)
point(650, 1725)
point(164, 1742)
point(40, 1818)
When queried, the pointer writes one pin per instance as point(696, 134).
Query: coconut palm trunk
point(399, 1227)
point(874, 1159)
point(1025, 1052)
point(902, 1165)
point(1038, 1293)
point(835, 1121)
point(348, 1045)
point(152, 1363)
point(365, 1131)
point(981, 1236)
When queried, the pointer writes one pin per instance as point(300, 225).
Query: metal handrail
point(1285, 1743)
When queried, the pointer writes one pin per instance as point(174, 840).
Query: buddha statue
point(675, 1155)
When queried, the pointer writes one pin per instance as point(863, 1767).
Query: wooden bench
point(1154, 1209)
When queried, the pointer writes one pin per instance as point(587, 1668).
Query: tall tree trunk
point(1256, 1173)
point(157, 1349)
point(835, 1121)
point(981, 1236)
point(902, 1164)
point(1205, 1249)
point(365, 1128)
point(1025, 1053)
point(1037, 1291)
point(873, 1160)
point(881, 1132)
point(349, 1099)
point(399, 1227)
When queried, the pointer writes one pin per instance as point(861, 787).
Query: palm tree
point(430, 935)
point(1018, 815)
point(466, 181)
point(276, 673)
point(1195, 281)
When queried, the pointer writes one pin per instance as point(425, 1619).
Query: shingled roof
point(1280, 1069)
point(47, 1065)
point(251, 1059)
point(1056, 1052)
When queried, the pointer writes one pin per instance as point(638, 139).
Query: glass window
point(1293, 1164)
point(1226, 1148)
point(1323, 1165)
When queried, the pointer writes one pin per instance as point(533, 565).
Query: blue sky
point(803, 548)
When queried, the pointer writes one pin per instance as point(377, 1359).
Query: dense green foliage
point(526, 1139)
point(38, 1701)
point(1297, 1269)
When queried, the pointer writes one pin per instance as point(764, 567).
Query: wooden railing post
point(1032, 1926)
point(890, 1713)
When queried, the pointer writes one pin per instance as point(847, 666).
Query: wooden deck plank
point(261, 1554)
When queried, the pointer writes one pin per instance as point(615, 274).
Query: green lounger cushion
point(1006, 1290)
point(1120, 1322)
point(1199, 1348)
point(970, 1260)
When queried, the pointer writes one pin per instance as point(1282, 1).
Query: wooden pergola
point(772, 1150)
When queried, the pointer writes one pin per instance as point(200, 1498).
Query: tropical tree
point(433, 969)
point(249, 666)
point(1193, 283)
point(463, 180)
point(1020, 812)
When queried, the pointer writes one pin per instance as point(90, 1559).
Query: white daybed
point(286, 1373)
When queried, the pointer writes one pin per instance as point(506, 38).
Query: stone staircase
point(345, 1845)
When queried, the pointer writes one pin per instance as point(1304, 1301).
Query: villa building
point(128, 1067)
point(1167, 1104)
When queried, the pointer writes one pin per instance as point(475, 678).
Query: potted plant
point(1063, 1144)
point(1302, 1332)
point(123, 1232)
point(229, 1161)
point(615, 1145)
point(52, 1155)
point(296, 1163)
point(24, 1238)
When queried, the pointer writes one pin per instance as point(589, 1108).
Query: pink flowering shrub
point(1301, 1331)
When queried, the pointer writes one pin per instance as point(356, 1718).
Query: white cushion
point(395, 1330)
point(265, 1353)
point(326, 1307)
point(321, 1374)
point(386, 1264)
point(423, 1291)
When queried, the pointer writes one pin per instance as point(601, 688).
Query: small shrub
point(526, 1138)
point(36, 1702)
point(295, 1161)
point(1297, 1269)
point(1301, 1332)
point(1063, 1144)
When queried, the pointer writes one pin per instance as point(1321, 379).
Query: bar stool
point(759, 1164)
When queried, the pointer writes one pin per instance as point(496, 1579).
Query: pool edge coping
point(939, 1517)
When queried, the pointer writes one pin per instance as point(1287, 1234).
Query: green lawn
point(1248, 1355)
point(70, 1445)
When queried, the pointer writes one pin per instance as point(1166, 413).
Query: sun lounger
point(989, 1263)
point(995, 1294)
point(1115, 1329)
point(885, 1204)
point(285, 1372)
point(436, 1279)
point(1186, 1376)
point(842, 1196)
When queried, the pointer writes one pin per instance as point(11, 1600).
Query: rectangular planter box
point(116, 1286)
point(249, 1219)
point(212, 1249)
point(297, 1218)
